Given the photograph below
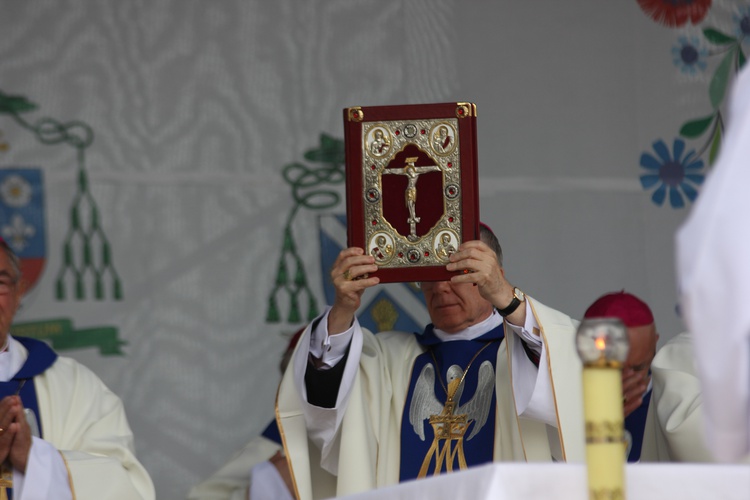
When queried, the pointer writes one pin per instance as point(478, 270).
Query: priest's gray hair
point(489, 239)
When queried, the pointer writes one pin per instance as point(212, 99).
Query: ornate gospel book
point(411, 186)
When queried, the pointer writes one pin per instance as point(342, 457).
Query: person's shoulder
point(676, 354)
point(69, 369)
point(77, 384)
point(684, 339)
point(548, 316)
point(58, 365)
point(681, 344)
point(391, 341)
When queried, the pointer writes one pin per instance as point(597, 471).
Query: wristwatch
point(518, 297)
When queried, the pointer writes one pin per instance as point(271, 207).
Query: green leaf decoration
point(15, 104)
point(312, 308)
point(87, 253)
point(715, 146)
point(331, 150)
point(75, 218)
point(281, 274)
point(68, 255)
point(83, 181)
point(294, 310)
point(288, 240)
point(717, 37)
point(299, 277)
point(273, 311)
point(718, 87)
point(740, 58)
point(106, 254)
point(696, 128)
point(94, 219)
point(80, 289)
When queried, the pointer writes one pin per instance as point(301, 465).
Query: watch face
point(519, 294)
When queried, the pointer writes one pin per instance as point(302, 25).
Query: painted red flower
point(674, 13)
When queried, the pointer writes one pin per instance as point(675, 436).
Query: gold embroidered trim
point(70, 476)
point(551, 380)
point(283, 438)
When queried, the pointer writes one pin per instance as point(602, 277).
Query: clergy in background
point(637, 385)
point(674, 430)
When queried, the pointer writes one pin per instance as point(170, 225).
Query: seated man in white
point(675, 425)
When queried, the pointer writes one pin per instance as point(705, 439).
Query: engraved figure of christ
point(412, 173)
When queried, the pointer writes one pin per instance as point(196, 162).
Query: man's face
point(453, 308)
point(10, 296)
point(642, 348)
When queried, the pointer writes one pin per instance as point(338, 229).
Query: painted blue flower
point(741, 20)
point(689, 55)
point(673, 173)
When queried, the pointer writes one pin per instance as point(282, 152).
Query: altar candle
point(603, 347)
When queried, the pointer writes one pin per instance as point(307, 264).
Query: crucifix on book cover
point(411, 186)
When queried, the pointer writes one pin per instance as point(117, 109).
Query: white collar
point(493, 321)
point(12, 359)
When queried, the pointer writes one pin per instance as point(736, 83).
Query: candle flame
point(601, 344)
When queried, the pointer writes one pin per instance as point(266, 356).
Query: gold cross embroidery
point(6, 481)
point(447, 428)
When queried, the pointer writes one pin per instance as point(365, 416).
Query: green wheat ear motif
point(313, 189)
point(87, 254)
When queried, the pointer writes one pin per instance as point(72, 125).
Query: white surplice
point(364, 450)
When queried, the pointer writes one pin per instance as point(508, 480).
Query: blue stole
point(272, 432)
point(41, 357)
point(473, 443)
point(635, 424)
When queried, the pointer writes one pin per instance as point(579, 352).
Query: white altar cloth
point(515, 481)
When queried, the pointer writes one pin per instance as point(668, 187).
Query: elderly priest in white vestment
point(495, 377)
point(63, 434)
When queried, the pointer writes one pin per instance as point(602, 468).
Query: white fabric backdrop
point(196, 107)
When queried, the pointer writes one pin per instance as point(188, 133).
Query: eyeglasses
point(6, 285)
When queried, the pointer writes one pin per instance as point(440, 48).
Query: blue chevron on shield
point(22, 218)
point(389, 306)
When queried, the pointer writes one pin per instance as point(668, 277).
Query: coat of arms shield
point(22, 218)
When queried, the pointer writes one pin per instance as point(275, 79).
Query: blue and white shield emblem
point(389, 306)
point(22, 218)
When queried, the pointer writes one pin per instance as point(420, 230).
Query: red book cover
point(411, 186)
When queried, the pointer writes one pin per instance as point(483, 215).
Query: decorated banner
point(87, 269)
